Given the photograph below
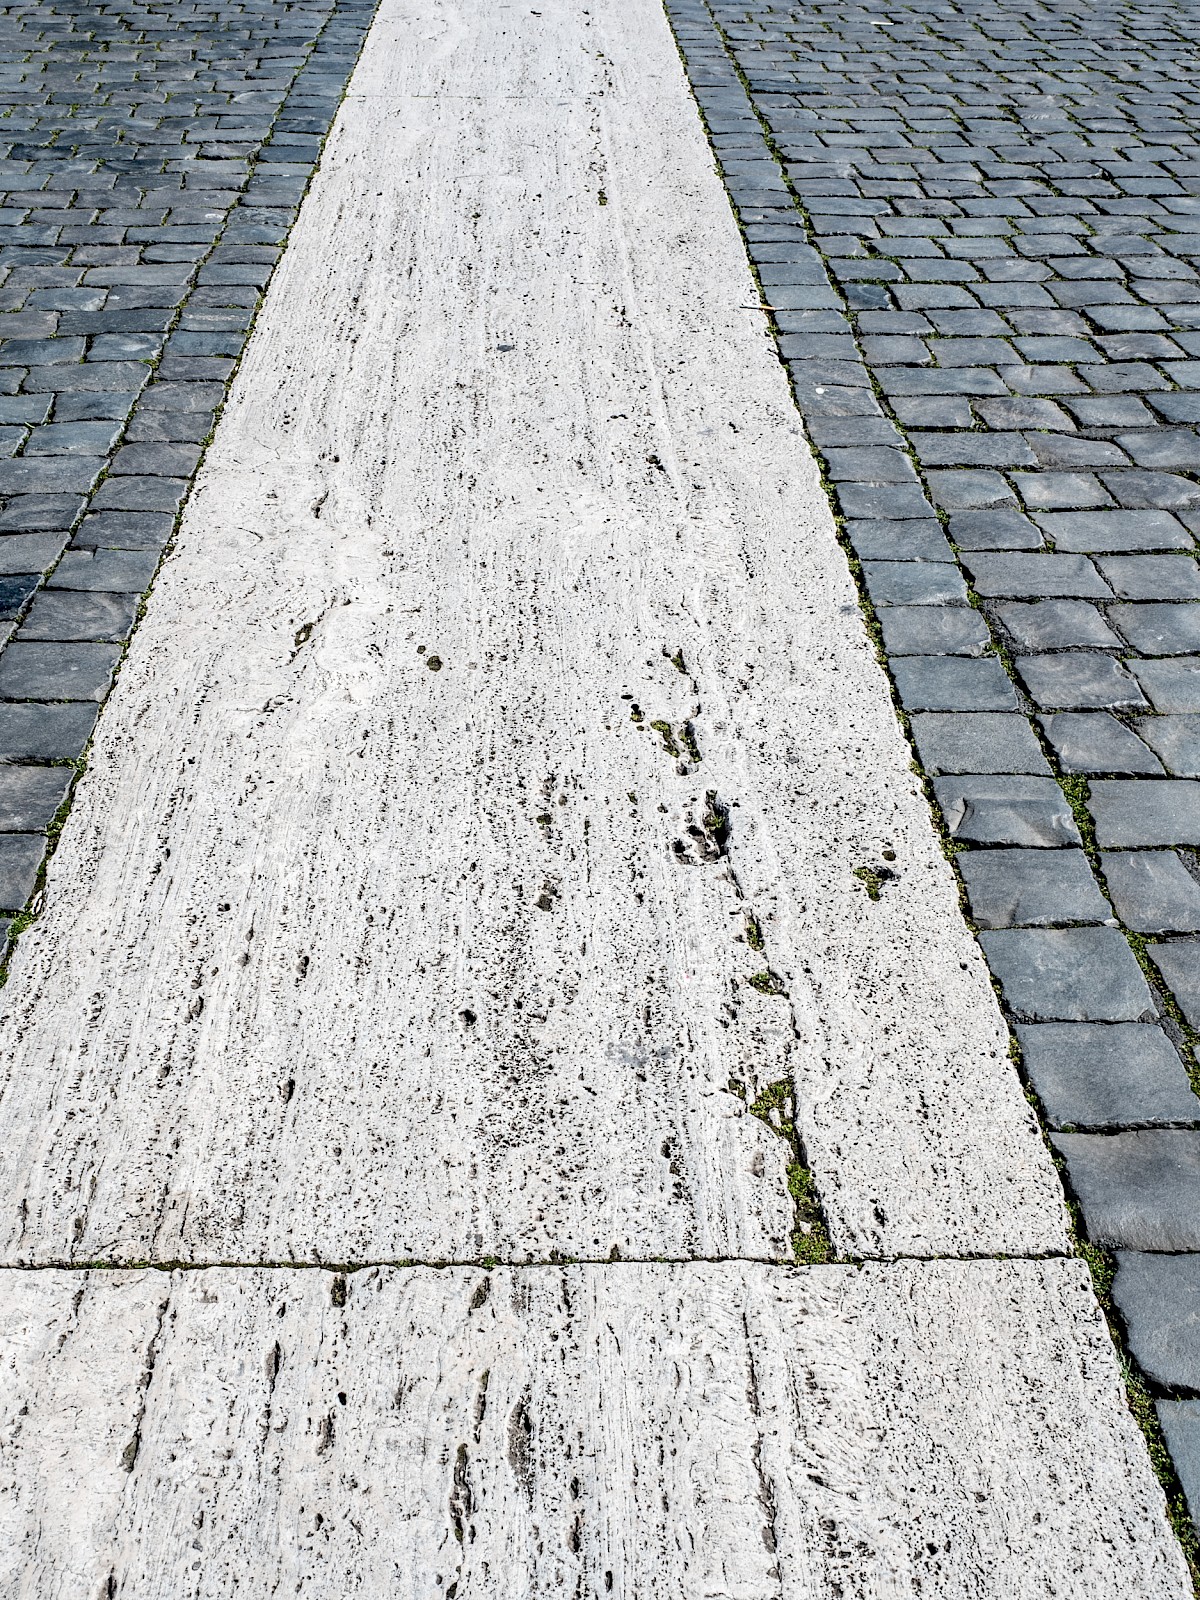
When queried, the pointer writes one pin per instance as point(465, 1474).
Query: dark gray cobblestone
point(152, 161)
point(977, 229)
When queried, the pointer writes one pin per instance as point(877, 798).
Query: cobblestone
point(1179, 963)
point(1007, 810)
point(1152, 891)
point(1159, 1299)
point(1172, 686)
point(950, 683)
point(978, 742)
point(1157, 812)
point(30, 796)
point(1014, 253)
point(1106, 1075)
point(1032, 888)
point(1176, 740)
point(20, 857)
point(1140, 1190)
point(1069, 975)
point(1055, 625)
point(1180, 1423)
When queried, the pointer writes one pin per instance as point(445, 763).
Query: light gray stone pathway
point(464, 990)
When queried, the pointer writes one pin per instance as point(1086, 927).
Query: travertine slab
point(348, 959)
point(940, 1429)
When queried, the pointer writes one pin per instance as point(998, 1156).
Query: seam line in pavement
point(488, 1262)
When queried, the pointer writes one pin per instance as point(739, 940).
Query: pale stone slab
point(946, 1429)
point(346, 959)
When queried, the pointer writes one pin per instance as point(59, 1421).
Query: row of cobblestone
point(152, 160)
point(977, 229)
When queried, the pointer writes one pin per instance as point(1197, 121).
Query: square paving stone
point(124, 530)
point(1145, 811)
point(863, 464)
point(914, 583)
point(1153, 891)
point(64, 614)
point(1152, 577)
point(33, 513)
point(1158, 1297)
point(1130, 377)
point(1031, 888)
point(1180, 1423)
point(1051, 491)
point(1179, 963)
point(1069, 975)
point(57, 671)
point(1043, 380)
point(15, 590)
point(140, 494)
point(22, 553)
point(933, 630)
point(1177, 407)
point(970, 491)
point(977, 742)
point(182, 396)
point(45, 732)
point(950, 683)
point(1176, 740)
point(1020, 411)
point(1066, 454)
point(1056, 625)
point(20, 857)
point(30, 796)
point(113, 406)
point(1159, 630)
point(1081, 679)
point(906, 539)
point(111, 570)
point(1032, 576)
point(73, 438)
point(1006, 810)
point(1109, 411)
point(1173, 684)
point(972, 449)
point(994, 530)
point(1164, 449)
point(1114, 530)
point(933, 411)
point(1156, 489)
point(813, 398)
point(1106, 1074)
point(1138, 1191)
point(178, 460)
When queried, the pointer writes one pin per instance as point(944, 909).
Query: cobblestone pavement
point(152, 160)
point(977, 227)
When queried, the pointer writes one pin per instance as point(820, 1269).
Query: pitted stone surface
point(931, 1426)
point(416, 919)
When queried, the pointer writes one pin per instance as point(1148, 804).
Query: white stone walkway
point(504, 710)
